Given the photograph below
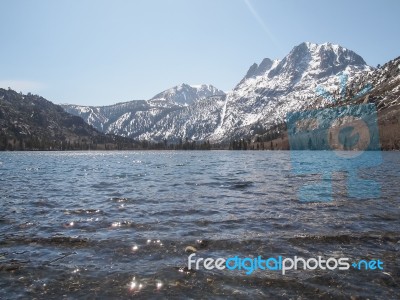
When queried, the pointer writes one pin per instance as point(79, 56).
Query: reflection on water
point(116, 224)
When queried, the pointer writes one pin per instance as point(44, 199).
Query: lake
point(117, 224)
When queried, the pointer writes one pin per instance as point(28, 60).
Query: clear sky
point(97, 52)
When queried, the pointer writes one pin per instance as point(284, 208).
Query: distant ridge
point(30, 122)
point(258, 102)
point(254, 112)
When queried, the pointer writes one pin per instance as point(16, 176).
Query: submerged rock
point(190, 249)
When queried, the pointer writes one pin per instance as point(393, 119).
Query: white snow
point(263, 99)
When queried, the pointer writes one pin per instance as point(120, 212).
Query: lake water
point(116, 225)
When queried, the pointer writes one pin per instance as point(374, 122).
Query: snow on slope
point(161, 116)
point(264, 96)
point(288, 85)
point(185, 94)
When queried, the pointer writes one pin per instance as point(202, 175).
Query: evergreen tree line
point(242, 144)
point(179, 145)
point(33, 143)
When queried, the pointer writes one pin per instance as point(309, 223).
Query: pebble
point(190, 249)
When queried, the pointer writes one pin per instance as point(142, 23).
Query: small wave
point(57, 240)
point(129, 224)
point(102, 185)
point(344, 238)
point(240, 185)
point(83, 212)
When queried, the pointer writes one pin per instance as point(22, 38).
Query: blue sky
point(97, 52)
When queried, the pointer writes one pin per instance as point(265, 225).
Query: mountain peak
point(185, 94)
point(258, 70)
point(324, 46)
point(318, 60)
point(307, 58)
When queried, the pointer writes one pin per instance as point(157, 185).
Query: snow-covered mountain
point(277, 87)
point(262, 98)
point(185, 94)
point(166, 115)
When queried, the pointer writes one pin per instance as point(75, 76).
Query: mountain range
point(252, 115)
point(259, 102)
point(30, 122)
